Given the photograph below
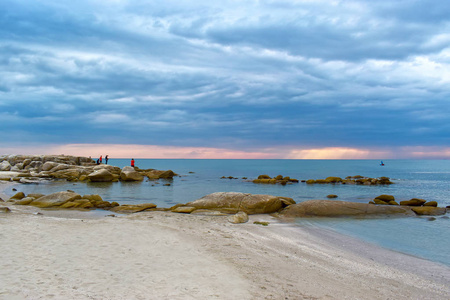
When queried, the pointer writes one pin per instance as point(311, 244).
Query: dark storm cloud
point(229, 74)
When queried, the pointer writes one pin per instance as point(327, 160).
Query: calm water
point(427, 179)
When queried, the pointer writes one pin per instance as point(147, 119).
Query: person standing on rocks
point(106, 159)
point(100, 158)
point(132, 162)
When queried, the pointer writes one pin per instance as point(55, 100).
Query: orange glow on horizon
point(174, 152)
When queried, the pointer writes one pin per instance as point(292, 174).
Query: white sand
point(157, 255)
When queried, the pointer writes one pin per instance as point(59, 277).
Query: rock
point(156, 174)
point(167, 174)
point(333, 179)
point(240, 217)
point(183, 209)
point(55, 199)
point(278, 179)
point(49, 165)
point(379, 201)
point(431, 203)
point(261, 223)
point(93, 198)
point(35, 195)
point(385, 198)
point(101, 175)
point(332, 196)
point(24, 201)
point(18, 196)
point(133, 208)
point(130, 174)
point(231, 202)
point(4, 209)
point(413, 202)
point(330, 208)
point(429, 210)
point(5, 166)
point(77, 203)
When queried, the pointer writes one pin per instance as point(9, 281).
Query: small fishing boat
point(381, 163)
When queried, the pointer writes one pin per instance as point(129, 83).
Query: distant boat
point(381, 163)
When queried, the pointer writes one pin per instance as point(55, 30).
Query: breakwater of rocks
point(35, 168)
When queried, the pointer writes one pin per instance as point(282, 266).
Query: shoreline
point(163, 255)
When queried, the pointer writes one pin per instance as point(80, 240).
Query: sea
point(425, 237)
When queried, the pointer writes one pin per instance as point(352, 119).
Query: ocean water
point(427, 179)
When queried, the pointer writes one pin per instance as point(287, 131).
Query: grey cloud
point(197, 75)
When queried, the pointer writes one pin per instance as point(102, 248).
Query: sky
point(287, 79)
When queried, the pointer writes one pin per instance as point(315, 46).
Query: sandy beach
point(160, 255)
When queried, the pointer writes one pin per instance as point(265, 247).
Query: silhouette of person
point(106, 159)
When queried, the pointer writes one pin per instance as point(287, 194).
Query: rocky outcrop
point(55, 199)
point(283, 180)
point(34, 169)
point(232, 203)
point(351, 180)
point(72, 200)
point(330, 208)
point(130, 174)
point(418, 206)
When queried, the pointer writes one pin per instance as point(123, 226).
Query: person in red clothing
point(100, 158)
point(132, 162)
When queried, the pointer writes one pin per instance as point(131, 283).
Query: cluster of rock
point(28, 169)
point(358, 179)
point(331, 208)
point(419, 206)
point(72, 200)
point(283, 180)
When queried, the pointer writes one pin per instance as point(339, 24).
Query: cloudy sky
point(226, 79)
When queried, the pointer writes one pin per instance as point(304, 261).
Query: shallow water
point(427, 179)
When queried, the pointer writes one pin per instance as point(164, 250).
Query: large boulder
point(330, 208)
point(231, 202)
point(413, 202)
point(55, 199)
point(101, 175)
point(130, 174)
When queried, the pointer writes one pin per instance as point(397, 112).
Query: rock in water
point(130, 174)
point(101, 175)
point(329, 208)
